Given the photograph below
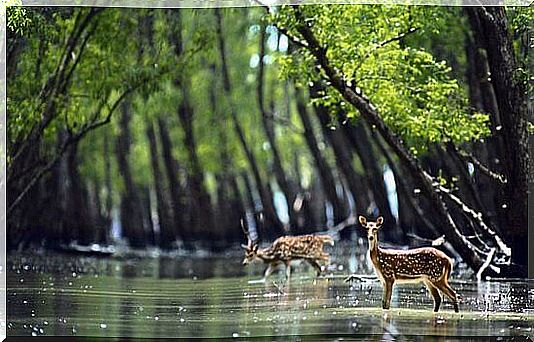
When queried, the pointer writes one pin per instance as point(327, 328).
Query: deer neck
point(265, 255)
point(374, 251)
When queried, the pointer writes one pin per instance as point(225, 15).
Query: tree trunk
point(230, 207)
point(131, 209)
point(492, 149)
point(172, 169)
point(268, 128)
point(327, 178)
point(344, 159)
point(370, 114)
point(78, 219)
point(270, 218)
point(375, 174)
point(108, 202)
point(201, 215)
point(200, 205)
point(511, 100)
point(166, 232)
point(301, 208)
point(359, 140)
point(148, 224)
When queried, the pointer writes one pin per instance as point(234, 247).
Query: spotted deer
point(288, 248)
point(426, 264)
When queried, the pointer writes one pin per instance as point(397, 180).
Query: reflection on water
point(218, 297)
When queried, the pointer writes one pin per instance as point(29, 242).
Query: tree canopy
point(170, 127)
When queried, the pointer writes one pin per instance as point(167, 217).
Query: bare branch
point(369, 112)
point(468, 157)
point(486, 264)
point(384, 43)
point(68, 142)
point(361, 278)
point(434, 242)
point(478, 218)
point(294, 39)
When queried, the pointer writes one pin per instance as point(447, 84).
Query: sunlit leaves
point(415, 94)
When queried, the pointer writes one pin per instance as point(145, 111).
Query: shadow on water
point(217, 297)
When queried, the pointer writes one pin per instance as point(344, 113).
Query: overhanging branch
point(369, 112)
point(478, 218)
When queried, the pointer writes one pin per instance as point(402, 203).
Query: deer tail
point(327, 239)
point(447, 270)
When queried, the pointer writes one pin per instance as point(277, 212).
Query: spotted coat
point(288, 248)
point(411, 264)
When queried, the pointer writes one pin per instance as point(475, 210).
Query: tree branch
point(485, 265)
point(369, 112)
point(68, 142)
point(478, 218)
point(384, 43)
point(54, 87)
point(468, 157)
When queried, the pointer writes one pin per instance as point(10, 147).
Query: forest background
point(175, 128)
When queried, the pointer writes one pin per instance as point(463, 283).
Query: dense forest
point(174, 128)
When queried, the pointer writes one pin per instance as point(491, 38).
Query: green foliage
point(415, 94)
point(411, 83)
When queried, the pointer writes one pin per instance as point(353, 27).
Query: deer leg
point(269, 270)
point(315, 265)
point(388, 290)
point(435, 293)
point(288, 270)
point(449, 292)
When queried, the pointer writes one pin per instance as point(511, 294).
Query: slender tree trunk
point(131, 210)
point(96, 211)
point(200, 205)
point(327, 178)
point(482, 97)
point(166, 232)
point(230, 207)
point(344, 159)
point(251, 204)
point(172, 169)
point(359, 140)
point(148, 224)
point(78, 219)
point(301, 207)
point(268, 128)
point(108, 202)
point(414, 217)
point(270, 218)
point(201, 215)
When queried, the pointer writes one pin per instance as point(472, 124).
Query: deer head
point(372, 229)
point(251, 248)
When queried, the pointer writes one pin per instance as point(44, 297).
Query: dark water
point(217, 297)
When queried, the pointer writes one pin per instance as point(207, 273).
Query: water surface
point(51, 294)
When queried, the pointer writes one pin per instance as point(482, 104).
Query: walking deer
point(427, 265)
point(288, 248)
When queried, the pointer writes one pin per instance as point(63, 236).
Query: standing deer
point(288, 248)
point(427, 265)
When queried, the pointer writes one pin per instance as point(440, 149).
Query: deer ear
point(244, 246)
point(380, 220)
point(362, 220)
